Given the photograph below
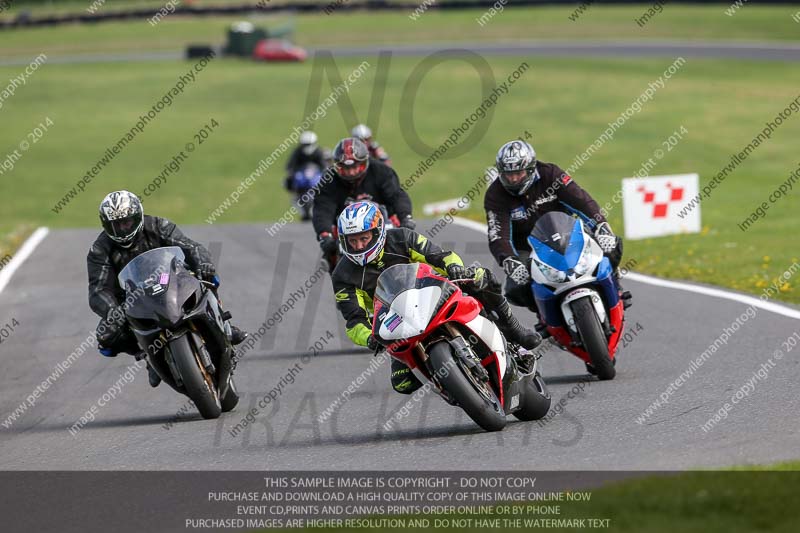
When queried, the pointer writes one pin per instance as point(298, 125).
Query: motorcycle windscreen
point(410, 301)
point(410, 313)
point(557, 239)
point(150, 270)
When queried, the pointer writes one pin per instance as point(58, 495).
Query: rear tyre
point(483, 406)
point(196, 380)
point(594, 340)
point(231, 398)
point(535, 402)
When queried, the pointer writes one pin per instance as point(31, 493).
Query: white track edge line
point(677, 285)
point(21, 255)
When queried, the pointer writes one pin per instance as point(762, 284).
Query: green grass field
point(565, 103)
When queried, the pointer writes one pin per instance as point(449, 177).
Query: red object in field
point(278, 50)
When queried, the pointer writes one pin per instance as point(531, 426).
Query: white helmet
point(361, 132)
point(308, 141)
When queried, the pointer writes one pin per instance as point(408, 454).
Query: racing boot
point(403, 379)
point(513, 330)
point(542, 330)
point(624, 295)
point(238, 336)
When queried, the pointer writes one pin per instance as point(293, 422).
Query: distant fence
point(24, 19)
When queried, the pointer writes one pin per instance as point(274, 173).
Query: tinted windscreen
point(144, 268)
point(555, 229)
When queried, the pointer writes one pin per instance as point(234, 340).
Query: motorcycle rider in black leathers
point(376, 151)
point(354, 176)
point(307, 151)
point(525, 189)
point(372, 251)
point(127, 233)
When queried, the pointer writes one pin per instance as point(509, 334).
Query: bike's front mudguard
point(611, 313)
point(206, 325)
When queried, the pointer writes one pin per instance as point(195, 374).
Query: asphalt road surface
point(597, 430)
point(770, 51)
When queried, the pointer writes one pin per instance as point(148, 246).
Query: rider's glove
point(327, 243)
point(455, 272)
point(474, 275)
point(516, 270)
point(605, 237)
point(408, 222)
point(206, 271)
point(373, 344)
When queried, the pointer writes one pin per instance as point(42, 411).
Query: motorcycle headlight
point(583, 263)
point(551, 274)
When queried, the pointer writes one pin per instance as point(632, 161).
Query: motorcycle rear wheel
point(488, 414)
point(535, 402)
point(196, 381)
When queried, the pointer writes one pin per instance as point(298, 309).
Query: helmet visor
point(517, 181)
point(360, 243)
point(351, 170)
point(123, 229)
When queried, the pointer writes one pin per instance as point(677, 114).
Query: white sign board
point(661, 205)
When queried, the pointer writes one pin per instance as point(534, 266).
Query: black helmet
point(513, 158)
point(122, 217)
point(351, 159)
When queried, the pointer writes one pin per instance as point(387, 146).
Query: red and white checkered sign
point(651, 205)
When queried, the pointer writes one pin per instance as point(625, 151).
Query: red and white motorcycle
point(441, 334)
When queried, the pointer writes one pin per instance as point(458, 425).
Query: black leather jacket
point(106, 259)
point(380, 185)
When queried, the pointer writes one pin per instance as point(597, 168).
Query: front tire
point(196, 381)
point(594, 339)
point(488, 414)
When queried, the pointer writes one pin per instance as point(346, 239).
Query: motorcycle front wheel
point(594, 340)
point(197, 382)
point(476, 398)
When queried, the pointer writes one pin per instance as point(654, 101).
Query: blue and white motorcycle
point(576, 292)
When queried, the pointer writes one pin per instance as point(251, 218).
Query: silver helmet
point(122, 216)
point(513, 158)
point(361, 132)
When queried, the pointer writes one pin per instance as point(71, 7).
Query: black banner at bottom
point(123, 502)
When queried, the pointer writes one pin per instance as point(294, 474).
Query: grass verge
point(566, 104)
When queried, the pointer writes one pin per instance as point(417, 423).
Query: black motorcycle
point(181, 328)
